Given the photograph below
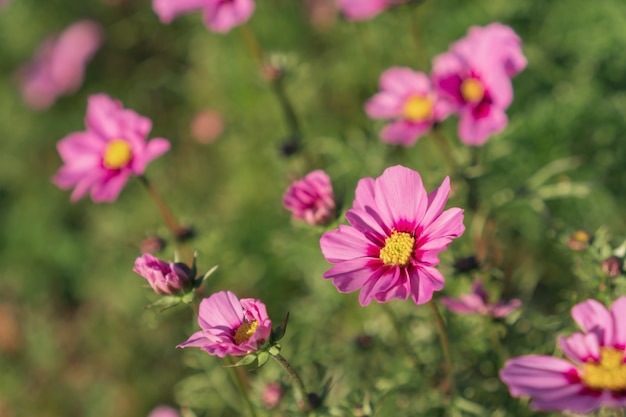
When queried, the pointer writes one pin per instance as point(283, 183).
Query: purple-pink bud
point(311, 199)
point(163, 277)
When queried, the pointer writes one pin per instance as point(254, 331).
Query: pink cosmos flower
point(230, 326)
point(272, 394)
point(474, 77)
point(406, 97)
point(219, 15)
point(311, 199)
point(478, 303)
point(103, 157)
point(592, 376)
point(390, 250)
point(365, 9)
point(164, 411)
point(58, 66)
point(163, 277)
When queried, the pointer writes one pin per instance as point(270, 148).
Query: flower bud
point(612, 266)
point(152, 244)
point(164, 277)
point(272, 395)
point(311, 199)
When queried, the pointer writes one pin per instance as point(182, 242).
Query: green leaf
point(262, 357)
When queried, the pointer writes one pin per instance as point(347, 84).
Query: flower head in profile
point(58, 66)
point(594, 374)
point(478, 303)
point(397, 230)
point(164, 277)
point(219, 15)
point(230, 326)
point(100, 159)
point(311, 198)
point(408, 99)
point(474, 77)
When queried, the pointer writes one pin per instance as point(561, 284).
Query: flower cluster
point(471, 80)
point(592, 376)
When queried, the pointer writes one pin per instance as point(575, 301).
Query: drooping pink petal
point(222, 307)
point(154, 148)
point(404, 133)
point(344, 244)
point(350, 275)
point(581, 347)
point(221, 17)
point(618, 312)
point(475, 131)
point(593, 317)
point(436, 201)
point(465, 304)
point(384, 105)
point(424, 281)
point(168, 10)
point(403, 82)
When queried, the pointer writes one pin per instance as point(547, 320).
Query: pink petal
point(81, 148)
point(89, 180)
point(361, 9)
point(220, 309)
point(436, 201)
point(593, 317)
point(403, 82)
point(466, 304)
point(370, 225)
point(581, 347)
point(503, 310)
point(384, 105)
point(221, 17)
point(350, 275)
point(102, 112)
point(109, 188)
point(618, 313)
point(383, 277)
point(405, 133)
point(167, 10)
point(344, 244)
point(155, 148)
point(364, 195)
point(475, 131)
point(440, 232)
point(424, 281)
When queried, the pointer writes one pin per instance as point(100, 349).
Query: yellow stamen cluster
point(607, 374)
point(417, 109)
point(117, 154)
point(472, 90)
point(245, 331)
point(398, 249)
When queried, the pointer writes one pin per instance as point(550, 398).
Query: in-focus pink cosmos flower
point(365, 9)
point(397, 231)
point(219, 15)
point(474, 76)
point(58, 66)
point(406, 97)
point(103, 157)
point(163, 277)
point(478, 303)
point(311, 199)
point(593, 377)
point(164, 411)
point(230, 326)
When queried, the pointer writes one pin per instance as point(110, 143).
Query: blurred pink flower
point(163, 277)
point(58, 66)
point(102, 158)
point(322, 13)
point(272, 395)
point(207, 126)
point(365, 9)
point(478, 303)
point(164, 411)
point(311, 199)
point(594, 374)
point(406, 97)
point(3, 3)
point(219, 15)
point(397, 231)
point(474, 77)
point(230, 326)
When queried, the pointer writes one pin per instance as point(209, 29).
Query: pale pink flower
point(474, 77)
point(272, 394)
point(311, 198)
point(58, 67)
point(408, 99)
point(102, 158)
point(164, 411)
point(163, 277)
point(397, 232)
point(230, 326)
point(219, 15)
point(207, 126)
point(594, 374)
point(365, 9)
point(478, 303)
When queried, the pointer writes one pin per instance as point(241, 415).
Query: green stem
point(446, 152)
point(238, 378)
point(399, 327)
point(290, 115)
point(301, 392)
point(445, 344)
point(253, 44)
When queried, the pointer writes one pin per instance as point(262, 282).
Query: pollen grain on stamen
point(398, 249)
point(245, 331)
point(607, 374)
point(117, 154)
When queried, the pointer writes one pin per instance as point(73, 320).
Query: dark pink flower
point(164, 411)
point(219, 15)
point(58, 66)
point(478, 303)
point(311, 199)
point(230, 326)
point(397, 232)
point(474, 77)
point(408, 99)
point(593, 375)
point(102, 158)
point(163, 277)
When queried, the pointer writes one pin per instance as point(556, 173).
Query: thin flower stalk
point(445, 344)
point(301, 392)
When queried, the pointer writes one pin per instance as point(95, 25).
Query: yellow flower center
point(398, 249)
point(245, 331)
point(472, 90)
point(609, 373)
point(417, 109)
point(117, 154)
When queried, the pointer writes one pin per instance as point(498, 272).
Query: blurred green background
point(75, 339)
